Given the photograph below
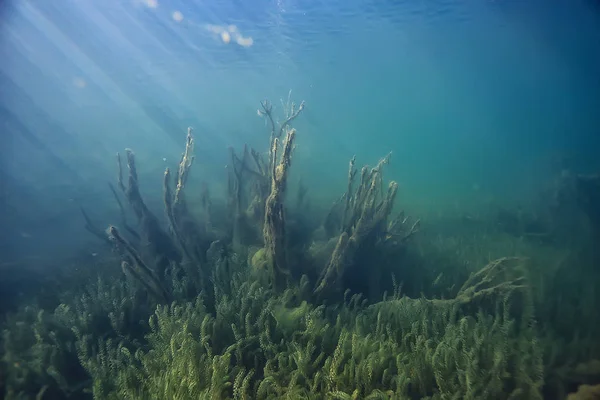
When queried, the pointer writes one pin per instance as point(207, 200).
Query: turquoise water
point(479, 102)
point(488, 108)
point(465, 94)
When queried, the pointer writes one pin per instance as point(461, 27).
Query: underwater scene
point(285, 199)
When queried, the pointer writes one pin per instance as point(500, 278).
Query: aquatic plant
point(260, 344)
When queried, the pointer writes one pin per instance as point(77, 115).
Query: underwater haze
point(475, 100)
point(489, 114)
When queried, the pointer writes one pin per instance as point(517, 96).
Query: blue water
point(478, 101)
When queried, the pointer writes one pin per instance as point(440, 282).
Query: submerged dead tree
point(181, 251)
point(183, 226)
point(248, 187)
point(185, 229)
point(274, 226)
point(159, 244)
point(500, 280)
point(250, 176)
point(274, 230)
point(134, 266)
point(363, 223)
point(268, 194)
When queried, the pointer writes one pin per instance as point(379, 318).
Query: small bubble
point(79, 82)
point(225, 37)
point(177, 16)
point(244, 42)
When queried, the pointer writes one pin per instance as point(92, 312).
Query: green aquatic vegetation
point(260, 344)
point(39, 354)
point(257, 347)
point(43, 348)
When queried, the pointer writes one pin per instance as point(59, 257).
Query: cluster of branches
point(359, 224)
point(364, 222)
